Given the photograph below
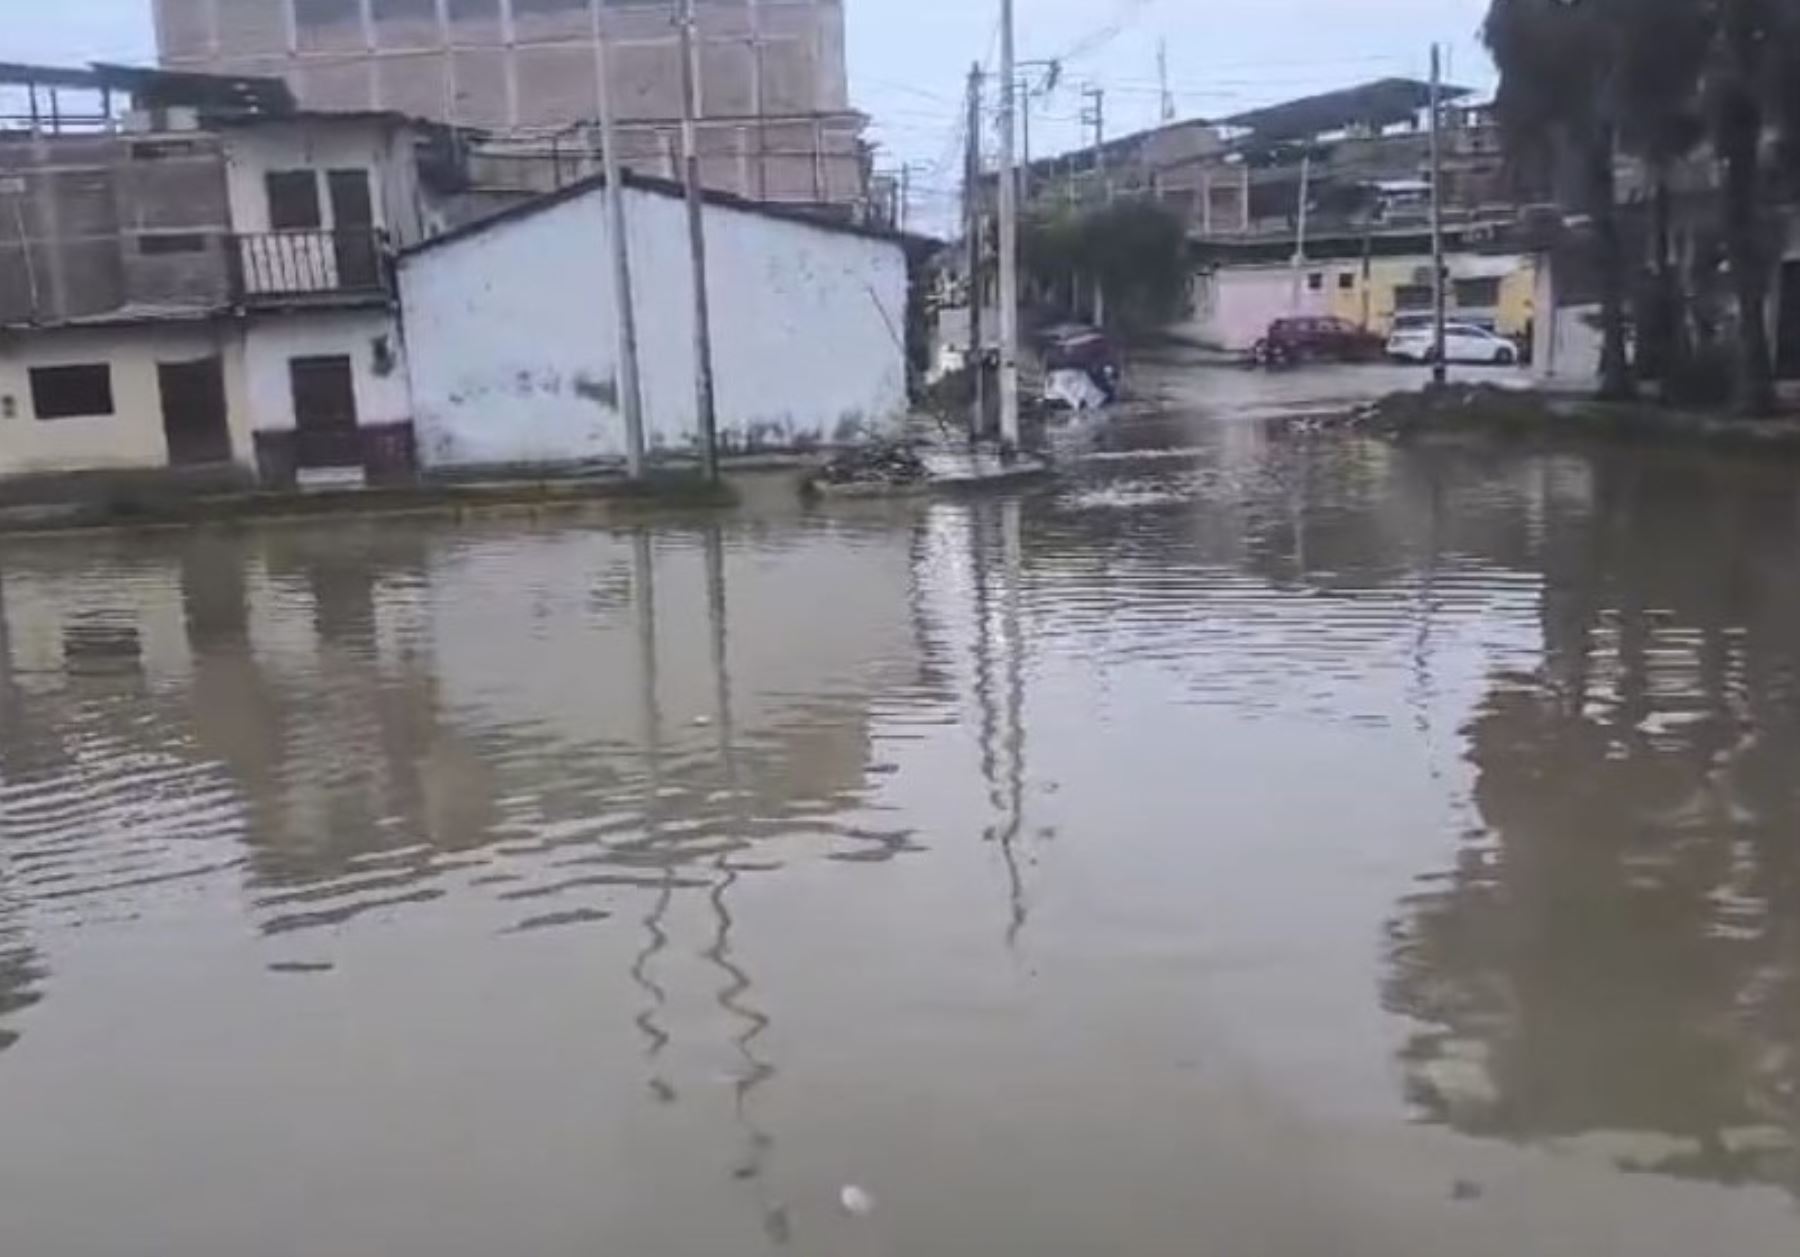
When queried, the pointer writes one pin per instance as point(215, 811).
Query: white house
point(512, 345)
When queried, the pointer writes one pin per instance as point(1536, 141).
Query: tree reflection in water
point(1615, 958)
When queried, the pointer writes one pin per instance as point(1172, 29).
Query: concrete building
point(774, 93)
point(1235, 300)
point(203, 281)
point(512, 341)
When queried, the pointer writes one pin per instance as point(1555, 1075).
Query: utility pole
point(1025, 136)
point(974, 230)
point(1162, 74)
point(905, 195)
point(696, 212)
point(1440, 371)
point(630, 383)
point(1300, 224)
point(1094, 115)
point(1009, 235)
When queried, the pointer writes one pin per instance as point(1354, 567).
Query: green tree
point(1560, 103)
point(1749, 91)
point(1136, 251)
point(1663, 53)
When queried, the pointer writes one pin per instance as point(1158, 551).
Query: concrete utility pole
point(1440, 370)
point(1025, 137)
point(1300, 225)
point(1009, 235)
point(696, 211)
point(974, 229)
point(1095, 116)
point(1162, 74)
point(631, 390)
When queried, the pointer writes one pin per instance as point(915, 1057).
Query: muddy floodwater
point(1285, 846)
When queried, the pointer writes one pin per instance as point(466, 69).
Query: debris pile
point(880, 463)
point(1454, 407)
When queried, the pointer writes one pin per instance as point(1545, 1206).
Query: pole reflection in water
point(772, 796)
point(20, 968)
point(996, 564)
point(650, 733)
point(752, 1071)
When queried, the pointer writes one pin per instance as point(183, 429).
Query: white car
point(1413, 341)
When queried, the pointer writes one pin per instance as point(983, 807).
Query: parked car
point(1416, 341)
point(1315, 340)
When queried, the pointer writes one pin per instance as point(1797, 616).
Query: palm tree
point(1663, 53)
point(1560, 96)
point(1753, 44)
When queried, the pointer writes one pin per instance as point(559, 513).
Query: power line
point(1127, 12)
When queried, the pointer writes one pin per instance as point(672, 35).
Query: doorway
point(325, 412)
point(195, 418)
point(353, 217)
point(1787, 326)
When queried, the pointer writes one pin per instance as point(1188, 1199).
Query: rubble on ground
point(1454, 407)
point(880, 463)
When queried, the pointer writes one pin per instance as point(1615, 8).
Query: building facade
point(512, 330)
point(203, 289)
point(774, 92)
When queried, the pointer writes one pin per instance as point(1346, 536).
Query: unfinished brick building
point(776, 121)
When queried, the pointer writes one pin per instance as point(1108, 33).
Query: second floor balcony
point(173, 273)
point(280, 267)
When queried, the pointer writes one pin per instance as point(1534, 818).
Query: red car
point(1316, 340)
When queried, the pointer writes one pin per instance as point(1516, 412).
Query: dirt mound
point(1453, 407)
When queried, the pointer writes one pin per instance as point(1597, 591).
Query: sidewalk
point(760, 478)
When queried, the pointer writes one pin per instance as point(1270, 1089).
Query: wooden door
point(195, 419)
point(353, 217)
point(325, 418)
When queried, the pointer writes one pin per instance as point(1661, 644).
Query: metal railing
point(277, 265)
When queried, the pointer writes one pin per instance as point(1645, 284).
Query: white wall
point(321, 145)
point(1234, 307)
point(132, 437)
point(1567, 341)
point(512, 341)
point(809, 326)
point(271, 343)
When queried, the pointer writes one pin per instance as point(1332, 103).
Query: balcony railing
point(285, 265)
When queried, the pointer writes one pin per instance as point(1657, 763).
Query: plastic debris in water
point(856, 1201)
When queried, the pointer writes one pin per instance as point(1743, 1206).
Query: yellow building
point(1497, 292)
point(1234, 302)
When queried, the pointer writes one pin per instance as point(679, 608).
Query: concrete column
point(509, 39)
point(367, 13)
point(443, 25)
point(756, 58)
point(597, 36)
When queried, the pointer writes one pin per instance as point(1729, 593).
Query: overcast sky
point(909, 59)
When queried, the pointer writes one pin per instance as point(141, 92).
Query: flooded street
point(1279, 846)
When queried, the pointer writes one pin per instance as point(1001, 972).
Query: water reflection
point(717, 830)
point(1614, 958)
